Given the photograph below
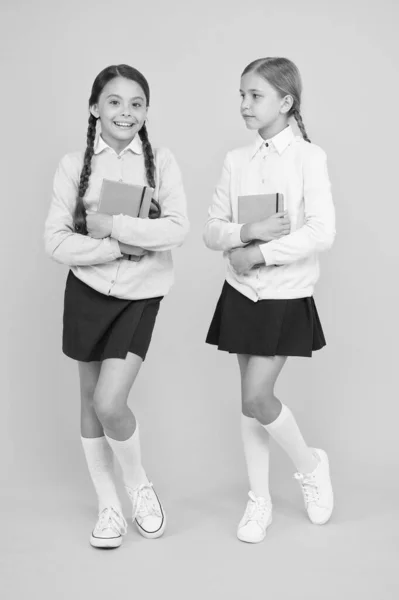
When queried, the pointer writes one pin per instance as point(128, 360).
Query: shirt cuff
point(116, 227)
point(268, 255)
point(115, 247)
point(235, 237)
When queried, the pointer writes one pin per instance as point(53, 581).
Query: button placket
point(120, 168)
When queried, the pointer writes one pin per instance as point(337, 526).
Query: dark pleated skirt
point(265, 328)
point(97, 327)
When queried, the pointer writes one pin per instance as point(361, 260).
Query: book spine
point(141, 200)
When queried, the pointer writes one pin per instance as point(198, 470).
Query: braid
point(148, 156)
point(149, 162)
point(298, 118)
point(79, 217)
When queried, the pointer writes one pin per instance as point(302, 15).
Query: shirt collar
point(134, 146)
point(279, 142)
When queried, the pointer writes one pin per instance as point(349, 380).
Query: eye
point(137, 105)
point(114, 102)
point(256, 95)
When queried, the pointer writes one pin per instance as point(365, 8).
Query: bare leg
point(260, 402)
point(256, 442)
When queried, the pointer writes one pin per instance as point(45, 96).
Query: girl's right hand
point(269, 229)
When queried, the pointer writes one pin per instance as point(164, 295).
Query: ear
point(286, 104)
point(94, 111)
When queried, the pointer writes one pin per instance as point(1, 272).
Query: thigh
point(260, 375)
point(116, 378)
point(89, 373)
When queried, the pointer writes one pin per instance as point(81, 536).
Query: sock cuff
point(129, 440)
point(284, 414)
point(93, 441)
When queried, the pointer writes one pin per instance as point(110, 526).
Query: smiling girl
point(111, 299)
point(266, 311)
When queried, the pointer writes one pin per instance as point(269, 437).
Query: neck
point(116, 145)
point(274, 129)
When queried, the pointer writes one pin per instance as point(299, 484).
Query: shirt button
point(113, 281)
point(119, 157)
point(120, 180)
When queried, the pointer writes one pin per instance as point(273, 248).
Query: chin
point(251, 124)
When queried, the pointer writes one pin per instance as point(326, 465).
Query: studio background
point(187, 396)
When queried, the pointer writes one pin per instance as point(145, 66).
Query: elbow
point(326, 240)
point(209, 240)
point(56, 254)
point(183, 232)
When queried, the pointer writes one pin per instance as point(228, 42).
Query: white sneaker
point(109, 529)
point(148, 514)
point(317, 490)
point(256, 519)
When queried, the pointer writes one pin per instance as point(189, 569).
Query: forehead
point(126, 88)
point(253, 81)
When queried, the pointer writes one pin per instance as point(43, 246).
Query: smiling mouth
point(123, 124)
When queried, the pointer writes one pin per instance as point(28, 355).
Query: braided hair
point(106, 75)
point(155, 209)
point(284, 76)
point(79, 216)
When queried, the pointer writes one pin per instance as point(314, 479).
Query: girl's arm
point(61, 242)
point(220, 233)
point(318, 231)
point(171, 229)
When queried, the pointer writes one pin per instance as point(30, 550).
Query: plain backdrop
point(187, 396)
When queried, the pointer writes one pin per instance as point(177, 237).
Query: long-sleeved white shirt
point(98, 262)
point(285, 164)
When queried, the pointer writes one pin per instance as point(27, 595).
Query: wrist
point(255, 255)
point(247, 233)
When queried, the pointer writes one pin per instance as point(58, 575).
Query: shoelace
point(309, 487)
point(256, 509)
point(145, 503)
point(112, 519)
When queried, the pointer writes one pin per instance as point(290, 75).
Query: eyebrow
point(253, 90)
point(117, 96)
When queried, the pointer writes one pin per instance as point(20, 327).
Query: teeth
point(127, 125)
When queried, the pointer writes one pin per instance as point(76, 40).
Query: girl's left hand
point(99, 225)
point(242, 260)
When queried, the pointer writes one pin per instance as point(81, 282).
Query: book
point(258, 207)
point(127, 199)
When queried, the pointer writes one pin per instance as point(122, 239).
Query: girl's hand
point(127, 249)
point(244, 259)
point(99, 225)
point(267, 230)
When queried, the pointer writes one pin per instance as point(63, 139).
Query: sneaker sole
point(105, 542)
point(249, 541)
point(324, 521)
point(152, 535)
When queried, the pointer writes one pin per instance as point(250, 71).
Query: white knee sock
point(99, 457)
point(287, 434)
point(256, 449)
point(128, 454)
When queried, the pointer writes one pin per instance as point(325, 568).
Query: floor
point(355, 556)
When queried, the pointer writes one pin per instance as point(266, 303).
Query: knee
point(87, 396)
point(259, 406)
point(108, 408)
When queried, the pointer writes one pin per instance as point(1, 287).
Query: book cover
point(258, 207)
point(118, 198)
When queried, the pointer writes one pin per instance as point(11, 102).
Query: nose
point(244, 104)
point(126, 111)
